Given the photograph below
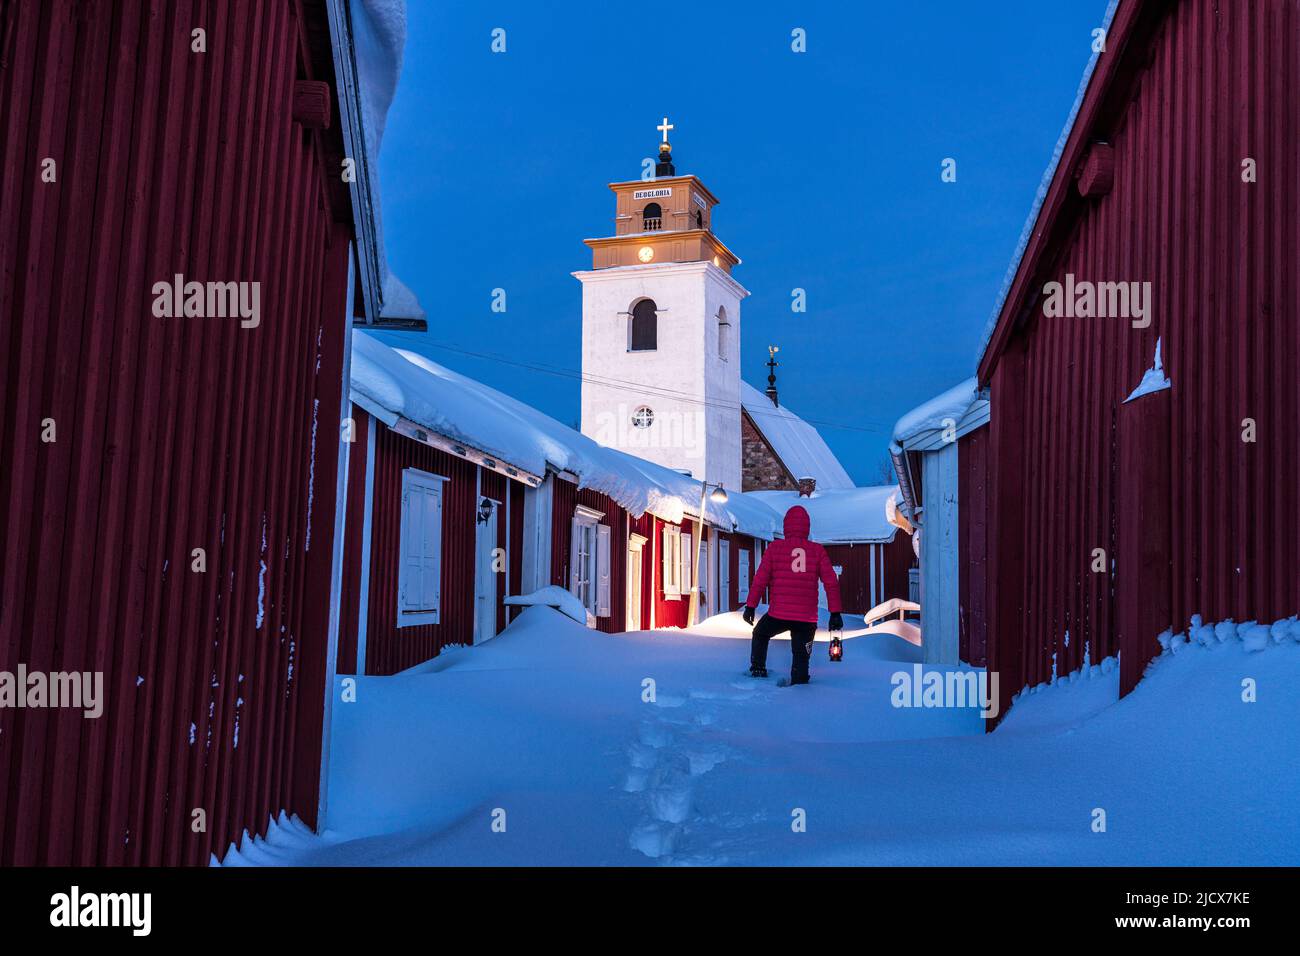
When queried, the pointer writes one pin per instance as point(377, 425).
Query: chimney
point(807, 485)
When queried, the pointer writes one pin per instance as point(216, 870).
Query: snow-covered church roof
point(841, 515)
point(798, 445)
point(395, 384)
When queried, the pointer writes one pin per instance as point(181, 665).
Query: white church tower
point(661, 329)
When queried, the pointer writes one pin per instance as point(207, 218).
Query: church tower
point(661, 329)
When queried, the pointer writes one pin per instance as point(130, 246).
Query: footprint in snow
point(670, 801)
point(653, 839)
point(702, 762)
point(655, 734)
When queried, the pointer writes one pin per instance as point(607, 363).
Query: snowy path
point(548, 730)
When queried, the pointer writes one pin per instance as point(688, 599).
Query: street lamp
point(718, 497)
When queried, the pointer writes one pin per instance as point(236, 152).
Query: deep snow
point(547, 722)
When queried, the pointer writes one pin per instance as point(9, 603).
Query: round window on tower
point(643, 417)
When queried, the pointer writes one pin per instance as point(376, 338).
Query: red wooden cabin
point(1178, 169)
point(167, 504)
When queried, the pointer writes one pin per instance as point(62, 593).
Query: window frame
point(590, 569)
point(672, 562)
point(418, 482)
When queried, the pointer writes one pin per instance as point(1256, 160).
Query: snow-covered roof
point(798, 445)
point(841, 515)
point(961, 407)
point(378, 39)
point(396, 383)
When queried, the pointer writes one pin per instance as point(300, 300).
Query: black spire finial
point(770, 392)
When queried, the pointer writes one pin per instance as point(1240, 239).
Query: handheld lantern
point(837, 647)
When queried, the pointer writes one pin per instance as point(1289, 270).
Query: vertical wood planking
point(173, 433)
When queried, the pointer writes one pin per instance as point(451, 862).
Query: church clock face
point(643, 417)
point(645, 254)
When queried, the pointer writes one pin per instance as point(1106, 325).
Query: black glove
point(836, 622)
point(748, 615)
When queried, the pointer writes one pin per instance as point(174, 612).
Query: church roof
point(798, 445)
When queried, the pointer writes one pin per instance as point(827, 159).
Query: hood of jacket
point(797, 523)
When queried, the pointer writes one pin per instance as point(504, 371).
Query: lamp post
point(719, 496)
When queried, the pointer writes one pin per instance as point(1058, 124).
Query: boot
point(756, 670)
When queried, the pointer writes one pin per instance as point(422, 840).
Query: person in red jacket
point(791, 568)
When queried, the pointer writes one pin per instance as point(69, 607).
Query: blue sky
point(827, 164)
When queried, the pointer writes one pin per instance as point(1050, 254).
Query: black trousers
point(801, 642)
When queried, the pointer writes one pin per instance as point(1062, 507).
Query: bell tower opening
point(652, 217)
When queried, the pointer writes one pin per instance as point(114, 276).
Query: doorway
point(724, 575)
point(487, 577)
point(635, 550)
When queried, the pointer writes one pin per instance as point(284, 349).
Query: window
point(645, 321)
point(652, 217)
point(419, 585)
point(699, 219)
point(589, 561)
point(724, 333)
point(672, 560)
point(643, 417)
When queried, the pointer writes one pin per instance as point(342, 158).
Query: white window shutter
point(670, 581)
point(432, 550)
point(412, 563)
point(575, 548)
point(685, 563)
point(742, 585)
point(602, 570)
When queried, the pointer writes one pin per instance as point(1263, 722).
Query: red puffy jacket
point(791, 567)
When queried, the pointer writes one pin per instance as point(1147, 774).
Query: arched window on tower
point(645, 321)
point(652, 217)
point(699, 219)
point(724, 333)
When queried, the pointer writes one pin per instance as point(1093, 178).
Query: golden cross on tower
point(664, 127)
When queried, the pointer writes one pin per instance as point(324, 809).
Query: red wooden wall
point(893, 560)
point(566, 497)
point(1187, 92)
point(172, 434)
point(739, 542)
point(668, 612)
point(390, 649)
